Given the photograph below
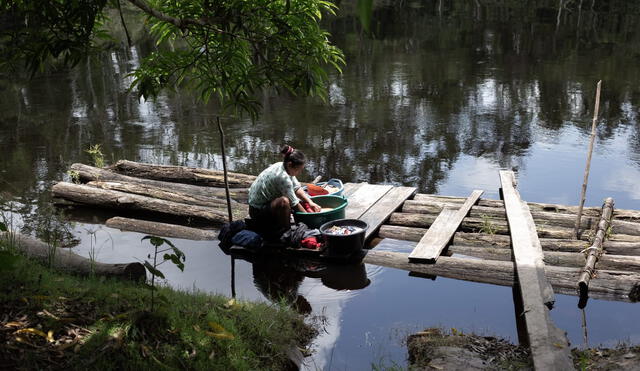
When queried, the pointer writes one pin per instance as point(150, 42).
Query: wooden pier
point(529, 246)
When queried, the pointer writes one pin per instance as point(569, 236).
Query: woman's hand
point(315, 207)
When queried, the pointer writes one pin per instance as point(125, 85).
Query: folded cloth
point(228, 231)
point(310, 243)
point(248, 239)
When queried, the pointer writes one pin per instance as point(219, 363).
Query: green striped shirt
point(273, 182)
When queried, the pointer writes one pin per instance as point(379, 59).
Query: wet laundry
point(311, 243)
point(342, 230)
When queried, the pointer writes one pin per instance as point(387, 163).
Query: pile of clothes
point(299, 235)
point(240, 234)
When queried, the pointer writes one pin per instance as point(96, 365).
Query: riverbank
point(437, 349)
point(54, 320)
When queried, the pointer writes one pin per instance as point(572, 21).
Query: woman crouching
point(276, 191)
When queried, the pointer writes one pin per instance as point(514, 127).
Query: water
point(439, 98)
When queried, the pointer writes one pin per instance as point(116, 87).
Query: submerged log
point(504, 241)
point(496, 226)
point(160, 229)
point(608, 285)
point(595, 250)
point(89, 173)
point(620, 214)
point(540, 217)
point(182, 174)
point(87, 195)
point(66, 260)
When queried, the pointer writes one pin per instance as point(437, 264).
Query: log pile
point(109, 189)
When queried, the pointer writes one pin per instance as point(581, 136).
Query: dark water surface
point(439, 97)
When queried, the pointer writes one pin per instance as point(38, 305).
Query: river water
point(440, 96)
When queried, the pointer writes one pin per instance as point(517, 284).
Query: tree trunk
point(182, 174)
point(504, 241)
point(619, 214)
point(160, 229)
point(175, 196)
point(63, 259)
point(87, 195)
point(540, 217)
point(621, 286)
point(90, 173)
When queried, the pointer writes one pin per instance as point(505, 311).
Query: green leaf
point(3, 227)
point(153, 270)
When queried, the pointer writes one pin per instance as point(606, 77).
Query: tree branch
point(181, 23)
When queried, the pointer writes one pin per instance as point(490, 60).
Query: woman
point(276, 191)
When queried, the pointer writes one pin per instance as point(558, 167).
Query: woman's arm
point(302, 195)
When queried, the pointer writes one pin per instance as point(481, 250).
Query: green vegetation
point(53, 320)
point(487, 226)
point(227, 49)
point(172, 254)
point(97, 156)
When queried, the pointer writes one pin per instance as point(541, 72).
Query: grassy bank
point(54, 320)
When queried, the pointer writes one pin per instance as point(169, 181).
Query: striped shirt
point(273, 182)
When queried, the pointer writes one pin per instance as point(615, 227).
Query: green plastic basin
point(315, 220)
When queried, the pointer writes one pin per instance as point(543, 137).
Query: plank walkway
point(549, 345)
point(442, 230)
point(373, 203)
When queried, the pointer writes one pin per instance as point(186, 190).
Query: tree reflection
point(434, 81)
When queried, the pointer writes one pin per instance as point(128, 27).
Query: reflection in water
point(440, 96)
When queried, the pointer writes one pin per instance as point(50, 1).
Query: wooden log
point(595, 250)
point(502, 241)
point(543, 218)
point(440, 233)
point(160, 229)
point(182, 174)
point(87, 195)
point(555, 258)
point(549, 345)
point(608, 285)
point(619, 214)
point(495, 226)
point(175, 196)
point(90, 173)
point(66, 260)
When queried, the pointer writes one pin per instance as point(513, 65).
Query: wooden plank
point(442, 230)
point(363, 198)
point(350, 188)
point(549, 345)
point(387, 204)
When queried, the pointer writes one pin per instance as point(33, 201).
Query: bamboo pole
point(588, 166)
point(595, 250)
point(224, 168)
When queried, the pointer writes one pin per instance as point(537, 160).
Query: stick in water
point(224, 167)
point(589, 152)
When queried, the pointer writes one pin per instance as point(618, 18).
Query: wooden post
point(588, 166)
point(224, 168)
point(595, 250)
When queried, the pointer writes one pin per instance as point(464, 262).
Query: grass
point(55, 320)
